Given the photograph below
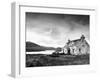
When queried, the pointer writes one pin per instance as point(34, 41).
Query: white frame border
point(16, 43)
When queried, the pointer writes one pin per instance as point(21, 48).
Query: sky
point(54, 30)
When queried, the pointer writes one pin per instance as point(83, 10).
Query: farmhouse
point(77, 47)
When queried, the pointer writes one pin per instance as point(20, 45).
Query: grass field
point(36, 60)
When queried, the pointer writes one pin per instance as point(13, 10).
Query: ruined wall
point(77, 48)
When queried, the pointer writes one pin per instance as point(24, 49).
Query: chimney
point(82, 37)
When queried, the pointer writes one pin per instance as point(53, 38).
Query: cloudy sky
point(55, 29)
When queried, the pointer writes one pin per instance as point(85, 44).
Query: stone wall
point(77, 47)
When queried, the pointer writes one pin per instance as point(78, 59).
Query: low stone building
point(77, 47)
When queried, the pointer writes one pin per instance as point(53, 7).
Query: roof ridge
point(76, 40)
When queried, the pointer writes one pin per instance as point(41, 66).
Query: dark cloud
point(33, 19)
point(81, 19)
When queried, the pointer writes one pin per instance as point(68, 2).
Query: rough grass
point(36, 60)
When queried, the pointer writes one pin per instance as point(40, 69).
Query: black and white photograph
point(54, 39)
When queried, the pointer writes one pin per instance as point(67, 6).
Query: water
point(41, 52)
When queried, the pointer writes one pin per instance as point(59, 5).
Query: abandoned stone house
point(77, 47)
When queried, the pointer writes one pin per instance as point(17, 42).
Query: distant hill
point(30, 47)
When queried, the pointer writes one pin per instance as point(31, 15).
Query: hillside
point(30, 46)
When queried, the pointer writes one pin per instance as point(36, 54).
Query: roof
point(74, 41)
point(77, 40)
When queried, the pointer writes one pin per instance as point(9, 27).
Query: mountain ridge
point(31, 47)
